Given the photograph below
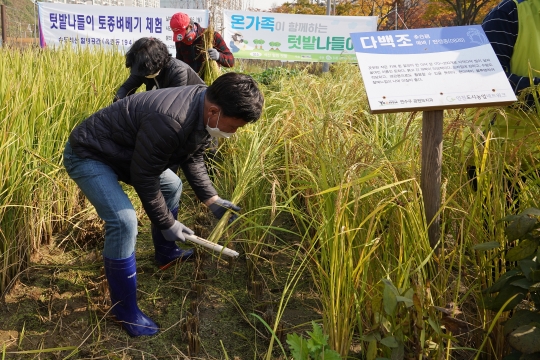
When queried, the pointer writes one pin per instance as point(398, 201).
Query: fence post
point(3, 20)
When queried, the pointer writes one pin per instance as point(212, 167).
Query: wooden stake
point(430, 178)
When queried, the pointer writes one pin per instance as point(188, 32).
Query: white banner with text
point(293, 37)
point(108, 26)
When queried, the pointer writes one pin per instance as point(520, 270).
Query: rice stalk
point(210, 69)
point(252, 156)
point(342, 204)
point(59, 88)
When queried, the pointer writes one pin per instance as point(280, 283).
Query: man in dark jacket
point(188, 39)
point(151, 64)
point(136, 140)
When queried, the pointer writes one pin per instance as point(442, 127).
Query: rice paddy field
point(335, 261)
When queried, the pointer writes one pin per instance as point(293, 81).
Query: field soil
point(208, 308)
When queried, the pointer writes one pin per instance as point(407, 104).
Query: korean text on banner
point(108, 26)
point(293, 37)
point(435, 68)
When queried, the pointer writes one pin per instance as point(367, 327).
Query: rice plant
point(210, 70)
point(319, 179)
point(54, 91)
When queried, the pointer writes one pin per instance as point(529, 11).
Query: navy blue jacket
point(501, 28)
point(142, 135)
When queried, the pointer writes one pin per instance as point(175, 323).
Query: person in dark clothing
point(188, 39)
point(513, 30)
point(136, 140)
point(151, 64)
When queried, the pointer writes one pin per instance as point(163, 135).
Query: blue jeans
point(99, 183)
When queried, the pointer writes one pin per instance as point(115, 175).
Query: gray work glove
point(213, 54)
point(220, 206)
point(176, 232)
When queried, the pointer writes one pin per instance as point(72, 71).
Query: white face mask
point(215, 132)
point(151, 76)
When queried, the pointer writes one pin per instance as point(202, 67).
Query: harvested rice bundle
point(210, 70)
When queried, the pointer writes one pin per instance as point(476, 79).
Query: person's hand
point(176, 232)
point(220, 206)
point(213, 54)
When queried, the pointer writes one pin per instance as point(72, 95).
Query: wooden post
point(430, 177)
point(4, 25)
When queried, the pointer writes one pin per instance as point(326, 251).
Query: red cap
point(179, 23)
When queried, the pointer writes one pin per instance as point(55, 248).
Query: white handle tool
point(210, 245)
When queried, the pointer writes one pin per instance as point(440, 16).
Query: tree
point(458, 12)
point(399, 14)
point(19, 16)
point(406, 14)
point(410, 11)
point(341, 8)
point(301, 7)
point(258, 42)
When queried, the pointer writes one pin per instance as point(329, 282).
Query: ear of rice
point(210, 70)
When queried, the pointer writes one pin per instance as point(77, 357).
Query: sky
point(264, 4)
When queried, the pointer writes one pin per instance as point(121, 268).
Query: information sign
point(430, 69)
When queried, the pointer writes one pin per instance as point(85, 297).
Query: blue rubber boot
point(122, 277)
point(167, 252)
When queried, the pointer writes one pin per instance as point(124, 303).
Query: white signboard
point(108, 26)
point(293, 37)
point(430, 69)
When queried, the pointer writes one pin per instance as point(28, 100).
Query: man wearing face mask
point(189, 43)
point(136, 141)
point(151, 64)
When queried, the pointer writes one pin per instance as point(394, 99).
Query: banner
point(293, 37)
point(108, 26)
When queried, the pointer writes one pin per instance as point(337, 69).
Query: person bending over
point(151, 64)
point(136, 141)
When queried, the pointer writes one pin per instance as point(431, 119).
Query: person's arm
point(501, 28)
point(226, 58)
point(179, 54)
point(129, 87)
point(197, 176)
